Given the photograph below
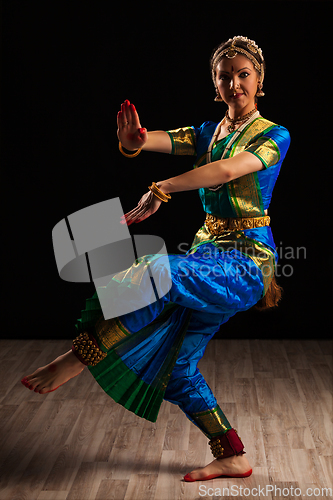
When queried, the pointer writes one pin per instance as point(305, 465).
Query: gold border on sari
point(133, 274)
point(109, 332)
point(244, 192)
point(183, 141)
point(245, 196)
point(228, 240)
point(211, 422)
point(266, 150)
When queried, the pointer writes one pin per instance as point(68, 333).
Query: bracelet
point(126, 154)
point(154, 186)
point(158, 193)
point(166, 201)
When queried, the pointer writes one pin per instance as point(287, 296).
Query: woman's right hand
point(130, 133)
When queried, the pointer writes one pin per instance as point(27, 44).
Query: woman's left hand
point(147, 206)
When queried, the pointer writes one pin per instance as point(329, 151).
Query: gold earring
point(260, 93)
point(218, 97)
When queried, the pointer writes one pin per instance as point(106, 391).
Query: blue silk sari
point(152, 353)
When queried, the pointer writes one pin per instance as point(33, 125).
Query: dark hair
point(240, 42)
point(271, 298)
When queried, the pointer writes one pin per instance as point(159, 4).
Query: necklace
point(234, 121)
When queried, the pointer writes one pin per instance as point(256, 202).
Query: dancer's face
point(237, 81)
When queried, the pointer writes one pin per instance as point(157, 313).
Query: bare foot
point(235, 466)
point(49, 377)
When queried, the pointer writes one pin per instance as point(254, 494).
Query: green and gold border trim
point(211, 422)
point(244, 192)
point(109, 332)
point(183, 141)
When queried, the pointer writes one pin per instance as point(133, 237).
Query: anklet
point(226, 445)
point(86, 350)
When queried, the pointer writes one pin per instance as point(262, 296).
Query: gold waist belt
point(216, 225)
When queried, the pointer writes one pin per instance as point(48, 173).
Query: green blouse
point(217, 202)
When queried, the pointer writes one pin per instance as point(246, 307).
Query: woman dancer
point(151, 354)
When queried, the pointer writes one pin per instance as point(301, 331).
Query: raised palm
point(132, 136)
point(130, 133)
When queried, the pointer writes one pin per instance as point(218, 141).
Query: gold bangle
point(154, 186)
point(157, 192)
point(166, 201)
point(127, 155)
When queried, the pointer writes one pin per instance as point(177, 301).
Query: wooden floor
point(76, 443)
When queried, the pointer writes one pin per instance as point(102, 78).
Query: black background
point(67, 67)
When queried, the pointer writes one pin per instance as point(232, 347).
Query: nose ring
point(234, 89)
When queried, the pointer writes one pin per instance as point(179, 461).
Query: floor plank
point(78, 444)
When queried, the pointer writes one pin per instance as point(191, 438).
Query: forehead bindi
point(234, 66)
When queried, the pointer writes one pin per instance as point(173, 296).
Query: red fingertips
point(142, 130)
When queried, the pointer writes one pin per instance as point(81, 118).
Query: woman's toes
point(25, 382)
point(62, 369)
point(192, 476)
point(29, 383)
point(189, 478)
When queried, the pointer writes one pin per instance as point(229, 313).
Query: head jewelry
point(248, 49)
